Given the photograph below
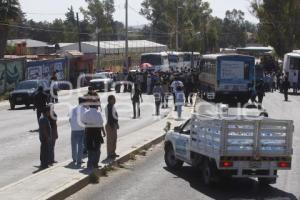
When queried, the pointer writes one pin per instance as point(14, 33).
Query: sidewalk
point(64, 179)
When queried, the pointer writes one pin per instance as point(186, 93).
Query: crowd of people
point(86, 119)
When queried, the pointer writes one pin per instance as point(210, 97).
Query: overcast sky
point(48, 10)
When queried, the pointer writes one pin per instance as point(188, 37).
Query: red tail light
point(226, 164)
point(284, 164)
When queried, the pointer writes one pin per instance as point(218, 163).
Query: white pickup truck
point(231, 145)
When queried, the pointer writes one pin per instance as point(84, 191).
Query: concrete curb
point(77, 185)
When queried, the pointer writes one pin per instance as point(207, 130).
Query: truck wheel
point(171, 161)
point(209, 173)
point(266, 181)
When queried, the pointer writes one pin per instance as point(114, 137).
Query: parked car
point(102, 81)
point(23, 93)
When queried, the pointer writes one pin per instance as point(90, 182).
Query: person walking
point(158, 95)
point(54, 87)
point(45, 137)
point(40, 101)
point(260, 91)
point(54, 136)
point(111, 127)
point(179, 95)
point(149, 81)
point(137, 99)
point(95, 132)
point(174, 85)
point(286, 85)
point(77, 131)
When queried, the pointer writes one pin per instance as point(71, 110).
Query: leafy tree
point(10, 11)
point(279, 23)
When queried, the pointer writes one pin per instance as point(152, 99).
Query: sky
point(48, 10)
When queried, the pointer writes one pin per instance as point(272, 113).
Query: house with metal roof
point(29, 46)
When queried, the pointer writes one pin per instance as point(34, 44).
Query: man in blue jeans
point(77, 131)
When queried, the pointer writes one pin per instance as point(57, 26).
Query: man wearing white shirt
point(77, 132)
point(174, 85)
point(95, 132)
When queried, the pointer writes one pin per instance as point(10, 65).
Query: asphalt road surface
point(19, 155)
point(149, 179)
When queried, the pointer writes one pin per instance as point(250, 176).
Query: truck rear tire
point(267, 181)
point(210, 174)
point(171, 161)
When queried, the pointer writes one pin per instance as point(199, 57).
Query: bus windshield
point(173, 59)
point(234, 70)
point(151, 59)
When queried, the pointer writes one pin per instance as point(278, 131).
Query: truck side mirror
point(177, 129)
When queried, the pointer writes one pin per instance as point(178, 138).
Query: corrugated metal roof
point(29, 43)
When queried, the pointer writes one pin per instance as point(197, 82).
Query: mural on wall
point(11, 73)
point(14, 74)
point(45, 69)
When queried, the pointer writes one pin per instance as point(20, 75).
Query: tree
point(279, 23)
point(193, 15)
point(10, 11)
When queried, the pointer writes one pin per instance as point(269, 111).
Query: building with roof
point(29, 46)
point(115, 47)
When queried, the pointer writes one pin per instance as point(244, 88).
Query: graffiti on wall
point(11, 73)
point(45, 69)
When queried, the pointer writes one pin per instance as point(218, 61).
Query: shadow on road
point(231, 188)
point(22, 108)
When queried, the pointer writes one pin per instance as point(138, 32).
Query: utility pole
point(126, 36)
point(98, 42)
point(177, 19)
point(79, 35)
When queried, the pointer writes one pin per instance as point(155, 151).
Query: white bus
point(291, 67)
point(158, 61)
point(187, 60)
point(176, 60)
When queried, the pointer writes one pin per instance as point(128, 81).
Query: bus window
point(152, 59)
point(295, 63)
point(246, 72)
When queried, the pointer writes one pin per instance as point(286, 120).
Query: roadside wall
point(45, 68)
point(11, 73)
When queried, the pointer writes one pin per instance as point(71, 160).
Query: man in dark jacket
point(45, 137)
point(286, 85)
point(260, 91)
point(40, 99)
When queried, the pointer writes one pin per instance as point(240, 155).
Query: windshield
point(152, 59)
point(173, 59)
point(28, 85)
point(100, 76)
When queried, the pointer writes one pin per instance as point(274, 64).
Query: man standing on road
point(45, 137)
point(136, 98)
point(158, 94)
point(54, 136)
point(111, 127)
point(285, 87)
point(54, 87)
point(95, 132)
point(77, 132)
point(40, 99)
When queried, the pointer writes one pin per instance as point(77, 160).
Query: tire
point(210, 174)
point(12, 106)
point(266, 181)
point(171, 161)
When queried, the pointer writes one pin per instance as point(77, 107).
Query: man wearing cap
point(45, 137)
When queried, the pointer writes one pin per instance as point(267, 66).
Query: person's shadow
point(231, 188)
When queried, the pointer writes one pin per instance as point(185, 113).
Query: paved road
point(19, 155)
point(149, 179)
